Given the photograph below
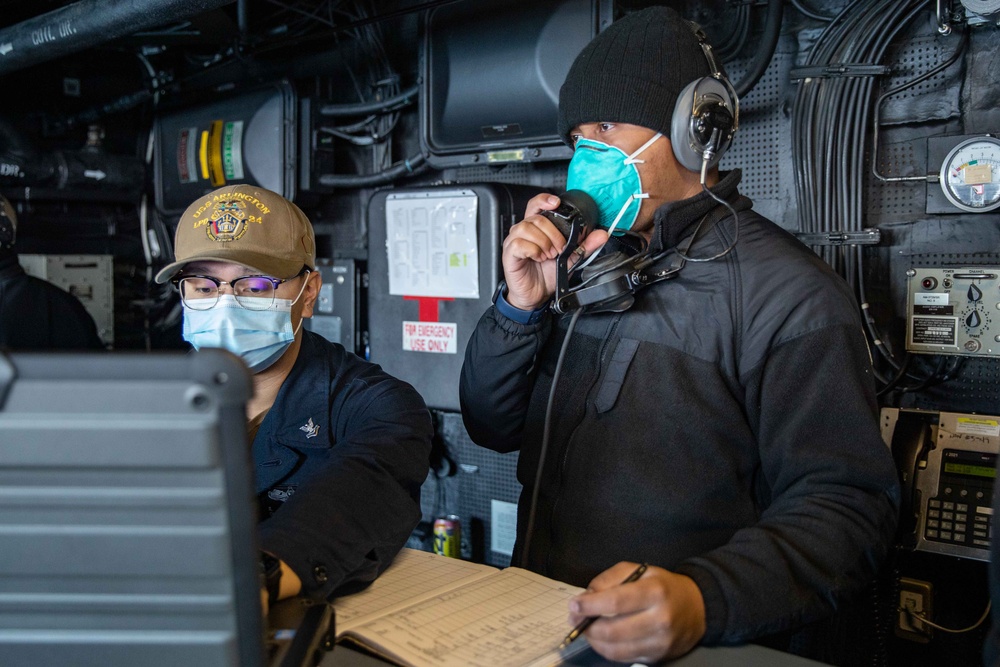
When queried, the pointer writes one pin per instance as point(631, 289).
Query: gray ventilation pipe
point(87, 23)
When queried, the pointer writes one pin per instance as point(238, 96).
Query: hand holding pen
point(653, 614)
point(586, 623)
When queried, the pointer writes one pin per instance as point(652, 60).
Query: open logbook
point(429, 610)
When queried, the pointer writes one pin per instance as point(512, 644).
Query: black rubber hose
point(409, 167)
point(81, 25)
point(390, 104)
point(769, 42)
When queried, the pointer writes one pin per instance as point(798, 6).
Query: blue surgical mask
point(259, 337)
point(610, 176)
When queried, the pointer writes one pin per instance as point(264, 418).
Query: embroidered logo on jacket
point(281, 493)
point(311, 430)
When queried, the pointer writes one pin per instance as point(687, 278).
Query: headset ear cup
point(680, 132)
point(698, 96)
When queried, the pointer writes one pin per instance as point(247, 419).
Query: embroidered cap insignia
point(228, 221)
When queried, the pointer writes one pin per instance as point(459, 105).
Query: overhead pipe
point(88, 23)
point(87, 169)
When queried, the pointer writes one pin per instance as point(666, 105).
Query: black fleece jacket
point(724, 427)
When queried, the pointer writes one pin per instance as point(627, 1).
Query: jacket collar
point(675, 220)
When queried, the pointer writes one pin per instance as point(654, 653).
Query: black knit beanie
point(632, 72)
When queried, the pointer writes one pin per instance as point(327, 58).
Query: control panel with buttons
point(962, 514)
point(953, 310)
point(955, 487)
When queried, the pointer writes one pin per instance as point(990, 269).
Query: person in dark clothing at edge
point(36, 315)
point(341, 448)
point(722, 429)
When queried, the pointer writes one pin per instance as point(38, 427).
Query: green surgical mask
point(610, 176)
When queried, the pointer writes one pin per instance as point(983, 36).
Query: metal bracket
point(837, 70)
point(868, 236)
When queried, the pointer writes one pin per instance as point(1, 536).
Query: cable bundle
point(831, 117)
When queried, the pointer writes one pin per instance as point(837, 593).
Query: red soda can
point(448, 536)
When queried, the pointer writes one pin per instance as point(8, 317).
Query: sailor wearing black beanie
point(704, 425)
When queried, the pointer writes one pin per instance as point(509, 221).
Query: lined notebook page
point(413, 576)
point(512, 618)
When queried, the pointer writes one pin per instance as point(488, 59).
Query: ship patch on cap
point(228, 221)
point(228, 218)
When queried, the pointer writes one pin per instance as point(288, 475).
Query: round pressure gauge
point(970, 175)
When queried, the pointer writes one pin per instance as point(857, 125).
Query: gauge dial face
point(970, 175)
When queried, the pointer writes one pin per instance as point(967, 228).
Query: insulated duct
point(87, 23)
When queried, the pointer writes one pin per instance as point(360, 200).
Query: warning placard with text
point(440, 337)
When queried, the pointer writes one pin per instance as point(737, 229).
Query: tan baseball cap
point(248, 225)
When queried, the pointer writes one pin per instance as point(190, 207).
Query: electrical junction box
point(953, 310)
point(433, 265)
point(337, 315)
point(915, 602)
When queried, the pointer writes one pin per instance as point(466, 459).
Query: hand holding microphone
point(551, 225)
point(575, 206)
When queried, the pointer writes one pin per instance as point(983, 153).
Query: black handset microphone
point(575, 217)
point(577, 208)
point(607, 284)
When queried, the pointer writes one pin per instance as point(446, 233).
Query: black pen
point(585, 623)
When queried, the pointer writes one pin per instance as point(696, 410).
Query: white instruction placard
point(930, 299)
point(978, 426)
point(503, 526)
point(432, 244)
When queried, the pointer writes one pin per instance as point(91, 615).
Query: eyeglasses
point(251, 292)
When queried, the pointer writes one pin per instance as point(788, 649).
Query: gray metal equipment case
point(127, 520)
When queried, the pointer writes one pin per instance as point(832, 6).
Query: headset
point(609, 283)
point(8, 225)
point(706, 115)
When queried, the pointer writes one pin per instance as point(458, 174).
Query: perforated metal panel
point(933, 99)
point(909, 123)
point(478, 477)
point(762, 148)
point(902, 149)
